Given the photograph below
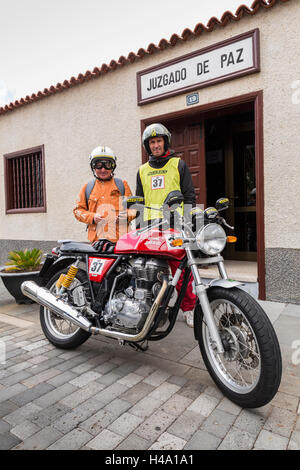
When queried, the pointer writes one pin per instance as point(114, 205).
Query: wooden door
point(188, 143)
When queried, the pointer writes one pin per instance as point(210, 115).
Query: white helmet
point(103, 153)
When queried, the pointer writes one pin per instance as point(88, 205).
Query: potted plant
point(21, 266)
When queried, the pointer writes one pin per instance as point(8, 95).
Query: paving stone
point(31, 394)
point(192, 390)
point(294, 443)
point(110, 393)
point(109, 379)
point(39, 378)
point(81, 395)
point(47, 416)
point(229, 407)
point(118, 407)
point(270, 441)
point(145, 370)
point(280, 422)
point(236, 439)
point(61, 379)
point(290, 384)
point(85, 379)
point(134, 442)
point(98, 422)
point(130, 380)
point(177, 380)
point(157, 378)
point(218, 423)
point(186, 424)
point(164, 391)
point(55, 395)
point(145, 407)
point(4, 427)
point(105, 367)
point(202, 440)
point(176, 404)
point(155, 425)
point(25, 430)
point(25, 412)
point(168, 442)
point(45, 365)
point(82, 368)
point(126, 368)
point(72, 419)
point(251, 421)
point(204, 404)
point(106, 440)
point(74, 440)
point(35, 345)
point(125, 424)
point(288, 402)
point(41, 440)
point(8, 393)
point(8, 441)
point(136, 393)
point(7, 407)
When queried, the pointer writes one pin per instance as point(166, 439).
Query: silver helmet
point(156, 130)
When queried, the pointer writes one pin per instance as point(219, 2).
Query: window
point(24, 174)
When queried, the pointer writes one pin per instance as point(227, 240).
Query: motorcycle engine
point(129, 308)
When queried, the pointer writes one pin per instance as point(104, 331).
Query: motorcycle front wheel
point(249, 370)
point(60, 332)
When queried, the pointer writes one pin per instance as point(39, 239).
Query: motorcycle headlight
point(211, 239)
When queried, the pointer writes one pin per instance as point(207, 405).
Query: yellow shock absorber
point(59, 281)
point(69, 277)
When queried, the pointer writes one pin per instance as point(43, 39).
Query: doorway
point(222, 143)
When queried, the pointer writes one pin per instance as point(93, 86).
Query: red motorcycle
point(125, 291)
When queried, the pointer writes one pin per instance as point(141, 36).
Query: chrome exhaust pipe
point(45, 298)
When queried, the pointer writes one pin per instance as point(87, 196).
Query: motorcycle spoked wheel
point(60, 332)
point(249, 371)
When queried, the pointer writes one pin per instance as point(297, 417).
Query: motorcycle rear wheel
point(62, 333)
point(249, 371)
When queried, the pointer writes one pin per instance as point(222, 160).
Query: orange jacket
point(105, 199)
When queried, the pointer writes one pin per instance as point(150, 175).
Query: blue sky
point(43, 43)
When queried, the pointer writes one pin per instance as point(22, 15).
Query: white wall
point(104, 111)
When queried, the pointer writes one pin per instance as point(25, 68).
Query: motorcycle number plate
point(98, 267)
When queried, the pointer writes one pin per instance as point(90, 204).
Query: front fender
point(198, 314)
point(226, 283)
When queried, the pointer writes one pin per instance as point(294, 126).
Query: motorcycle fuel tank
point(152, 242)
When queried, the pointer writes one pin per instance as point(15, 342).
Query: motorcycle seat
point(70, 246)
point(100, 246)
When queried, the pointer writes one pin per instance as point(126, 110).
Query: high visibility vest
point(157, 184)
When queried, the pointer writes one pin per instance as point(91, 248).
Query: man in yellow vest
point(163, 173)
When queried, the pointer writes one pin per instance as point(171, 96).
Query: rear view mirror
point(222, 204)
point(174, 199)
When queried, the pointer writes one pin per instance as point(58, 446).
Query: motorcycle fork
point(201, 293)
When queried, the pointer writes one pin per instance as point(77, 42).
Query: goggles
point(104, 164)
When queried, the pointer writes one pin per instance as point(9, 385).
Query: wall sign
point(226, 60)
point(192, 99)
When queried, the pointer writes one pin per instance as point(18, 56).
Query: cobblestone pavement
point(103, 396)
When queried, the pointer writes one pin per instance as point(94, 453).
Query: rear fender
point(56, 265)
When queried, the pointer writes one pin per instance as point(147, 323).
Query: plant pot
point(13, 281)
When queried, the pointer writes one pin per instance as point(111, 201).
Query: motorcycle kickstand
point(137, 347)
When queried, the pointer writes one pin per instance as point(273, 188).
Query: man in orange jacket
point(103, 212)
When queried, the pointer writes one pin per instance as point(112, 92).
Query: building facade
point(230, 94)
